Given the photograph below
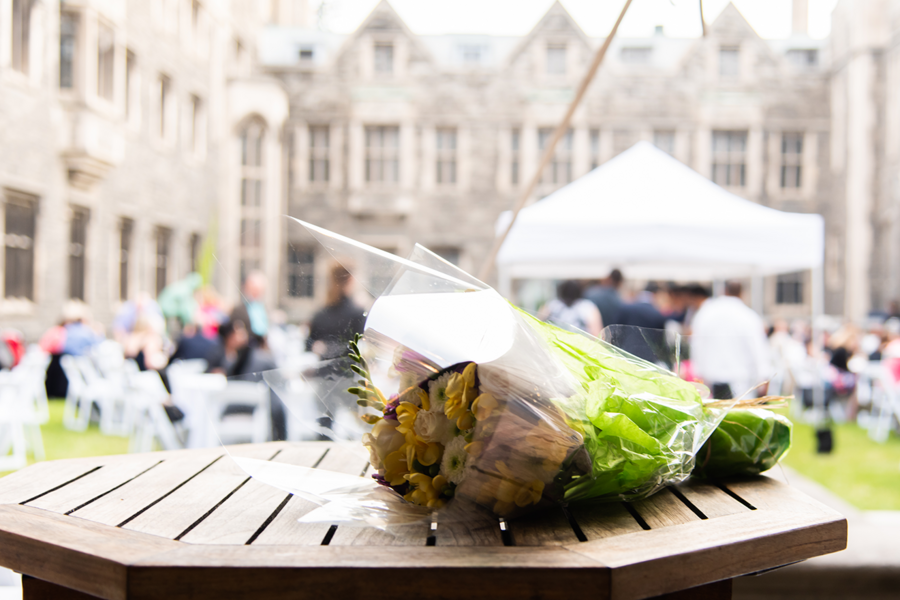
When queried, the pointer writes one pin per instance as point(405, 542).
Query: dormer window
point(306, 54)
point(556, 59)
point(384, 58)
point(729, 62)
point(471, 53)
point(803, 58)
point(634, 55)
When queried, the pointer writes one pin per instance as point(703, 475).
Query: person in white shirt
point(729, 350)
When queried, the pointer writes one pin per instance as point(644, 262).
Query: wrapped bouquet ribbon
point(474, 403)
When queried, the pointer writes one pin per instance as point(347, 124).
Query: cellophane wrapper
point(478, 408)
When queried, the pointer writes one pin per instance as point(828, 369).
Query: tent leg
point(817, 309)
point(505, 283)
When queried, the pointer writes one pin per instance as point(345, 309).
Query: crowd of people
point(725, 344)
point(189, 320)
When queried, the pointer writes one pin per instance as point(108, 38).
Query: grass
point(860, 470)
point(60, 442)
point(863, 472)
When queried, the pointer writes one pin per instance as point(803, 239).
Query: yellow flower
point(469, 374)
point(425, 492)
point(428, 454)
point(474, 449)
point(439, 483)
point(483, 406)
point(530, 493)
point(395, 467)
point(460, 393)
point(406, 415)
point(424, 399)
point(467, 421)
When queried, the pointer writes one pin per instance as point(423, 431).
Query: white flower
point(433, 426)
point(453, 465)
point(383, 440)
point(438, 391)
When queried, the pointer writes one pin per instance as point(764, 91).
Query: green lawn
point(59, 442)
point(859, 470)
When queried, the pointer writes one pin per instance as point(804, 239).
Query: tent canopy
point(656, 218)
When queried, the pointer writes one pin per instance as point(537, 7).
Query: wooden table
point(190, 524)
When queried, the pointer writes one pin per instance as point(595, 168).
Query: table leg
point(720, 590)
point(38, 589)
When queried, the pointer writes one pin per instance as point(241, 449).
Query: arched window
point(252, 137)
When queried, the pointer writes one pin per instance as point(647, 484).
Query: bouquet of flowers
point(473, 401)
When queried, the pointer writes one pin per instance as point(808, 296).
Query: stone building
point(398, 138)
point(135, 134)
point(121, 123)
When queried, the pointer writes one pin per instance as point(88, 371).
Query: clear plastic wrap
point(476, 408)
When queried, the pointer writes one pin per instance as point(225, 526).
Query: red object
point(54, 340)
point(16, 344)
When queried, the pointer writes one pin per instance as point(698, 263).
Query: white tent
point(656, 218)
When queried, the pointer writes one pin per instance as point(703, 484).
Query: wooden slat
point(462, 533)
point(285, 529)
point(239, 517)
point(766, 492)
point(75, 553)
point(548, 527)
point(182, 508)
point(136, 495)
point(598, 521)
point(709, 499)
point(98, 483)
point(44, 476)
point(677, 557)
point(663, 509)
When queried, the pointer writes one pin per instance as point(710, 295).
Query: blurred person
point(332, 327)
point(193, 344)
point(210, 313)
point(232, 350)
point(891, 352)
point(695, 296)
point(131, 310)
point(146, 345)
point(251, 310)
point(643, 312)
point(569, 308)
point(676, 306)
point(330, 332)
point(605, 295)
point(729, 349)
point(80, 336)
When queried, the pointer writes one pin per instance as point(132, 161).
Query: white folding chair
point(241, 427)
point(152, 423)
point(192, 393)
point(77, 411)
point(885, 405)
point(34, 364)
point(20, 429)
point(116, 412)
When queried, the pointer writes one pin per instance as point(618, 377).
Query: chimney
point(800, 20)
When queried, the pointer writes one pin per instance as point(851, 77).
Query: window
point(196, 124)
point(252, 186)
point(384, 59)
point(77, 250)
point(301, 266)
point(789, 289)
point(729, 149)
point(556, 59)
point(163, 90)
point(471, 53)
point(791, 160)
point(105, 62)
point(559, 171)
point(446, 156)
point(21, 34)
point(515, 143)
point(803, 58)
point(126, 227)
point(383, 154)
point(195, 249)
point(306, 54)
point(635, 55)
point(163, 237)
point(595, 148)
point(21, 223)
point(729, 62)
point(318, 153)
point(68, 46)
point(195, 20)
point(665, 141)
point(131, 86)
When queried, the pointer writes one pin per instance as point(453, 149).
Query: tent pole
point(505, 282)
point(551, 145)
point(758, 294)
point(817, 306)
